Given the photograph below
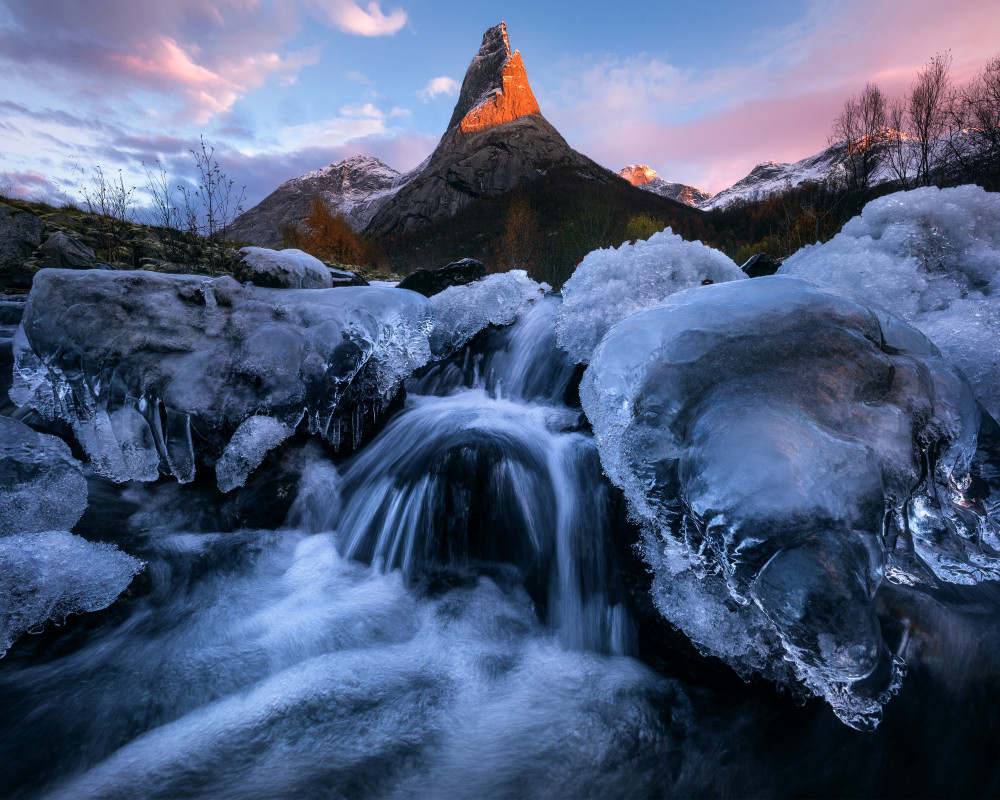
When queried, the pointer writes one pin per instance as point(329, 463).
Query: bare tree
point(929, 112)
point(901, 156)
point(221, 202)
point(164, 212)
point(978, 111)
point(112, 206)
point(862, 127)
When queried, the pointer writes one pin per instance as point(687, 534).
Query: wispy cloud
point(442, 85)
point(350, 17)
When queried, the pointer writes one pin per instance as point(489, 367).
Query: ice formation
point(932, 257)
point(283, 269)
point(49, 575)
point(787, 447)
point(153, 371)
point(610, 285)
point(255, 437)
point(41, 485)
point(460, 312)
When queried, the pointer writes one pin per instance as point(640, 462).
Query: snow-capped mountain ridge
point(355, 187)
point(645, 177)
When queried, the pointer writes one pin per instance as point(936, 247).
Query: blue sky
point(700, 92)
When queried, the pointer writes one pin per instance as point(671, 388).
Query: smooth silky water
point(451, 612)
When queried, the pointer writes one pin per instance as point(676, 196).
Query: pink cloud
point(350, 17)
point(710, 128)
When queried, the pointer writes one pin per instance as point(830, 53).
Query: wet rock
point(431, 281)
point(760, 265)
point(344, 277)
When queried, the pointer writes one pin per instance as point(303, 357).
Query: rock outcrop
point(61, 251)
point(20, 234)
point(496, 88)
point(646, 178)
point(429, 282)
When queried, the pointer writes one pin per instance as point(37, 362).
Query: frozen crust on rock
point(932, 257)
point(787, 447)
point(155, 371)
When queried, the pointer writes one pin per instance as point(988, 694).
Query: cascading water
point(494, 473)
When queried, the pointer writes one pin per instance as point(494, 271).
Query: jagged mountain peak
point(495, 89)
point(638, 174)
point(644, 177)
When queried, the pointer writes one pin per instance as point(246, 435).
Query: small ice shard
point(255, 437)
point(41, 485)
point(49, 575)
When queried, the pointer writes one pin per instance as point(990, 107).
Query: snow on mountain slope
point(770, 177)
point(354, 187)
point(646, 178)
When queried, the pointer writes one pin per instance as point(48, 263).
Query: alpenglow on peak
point(496, 88)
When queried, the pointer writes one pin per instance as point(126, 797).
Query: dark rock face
point(64, 252)
point(20, 234)
point(350, 187)
point(497, 140)
point(344, 277)
point(485, 74)
point(486, 163)
point(760, 265)
point(429, 282)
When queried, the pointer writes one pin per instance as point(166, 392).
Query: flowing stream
point(452, 611)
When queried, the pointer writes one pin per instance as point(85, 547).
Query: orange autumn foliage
point(328, 236)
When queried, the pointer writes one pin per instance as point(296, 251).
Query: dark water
point(453, 611)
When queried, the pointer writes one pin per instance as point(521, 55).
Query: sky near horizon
point(701, 92)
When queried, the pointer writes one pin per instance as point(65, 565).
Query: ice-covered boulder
point(41, 485)
point(153, 371)
point(51, 574)
point(610, 285)
point(282, 269)
point(788, 447)
point(460, 312)
point(932, 257)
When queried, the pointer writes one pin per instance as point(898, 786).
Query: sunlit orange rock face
point(638, 174)
point(514, 100)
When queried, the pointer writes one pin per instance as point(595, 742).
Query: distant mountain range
point(497, 141)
